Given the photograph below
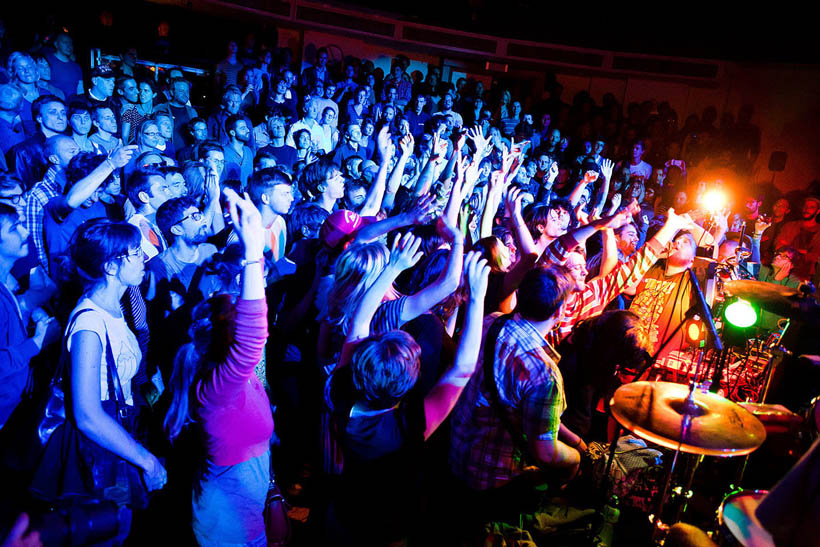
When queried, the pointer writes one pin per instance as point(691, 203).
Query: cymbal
point(785, 301)
point(654, 412)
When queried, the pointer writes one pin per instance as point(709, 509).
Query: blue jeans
point(230, 510)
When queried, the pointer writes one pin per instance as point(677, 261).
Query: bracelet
point(245, 263)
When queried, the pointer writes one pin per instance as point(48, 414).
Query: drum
point(737, 523)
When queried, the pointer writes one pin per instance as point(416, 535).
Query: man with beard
point(238, 155)
point(803, 235)
point(186, 231)
point(626, 243)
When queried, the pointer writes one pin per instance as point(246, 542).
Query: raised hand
point(477, 272)
point(120, 156)
point(482, 143)
point(761, 224)
point(606, 169)
point(247, 222)
point(384, 143)
point(552, 172)
point(590, 176)
point(406, 145)
point(616, 202)
point(424, 209)
point(405, 252)
point(512, 204)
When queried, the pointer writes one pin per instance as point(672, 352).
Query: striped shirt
point(599, 292)
point(40, 194)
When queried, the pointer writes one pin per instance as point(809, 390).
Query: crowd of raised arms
point(349, 255)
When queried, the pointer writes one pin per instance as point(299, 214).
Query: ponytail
point(186, 365)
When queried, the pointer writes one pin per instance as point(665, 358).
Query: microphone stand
point(699, 305)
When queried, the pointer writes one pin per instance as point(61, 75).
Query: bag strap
point(492, 385)
point(113, 377)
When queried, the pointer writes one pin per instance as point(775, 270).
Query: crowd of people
point(427, 286)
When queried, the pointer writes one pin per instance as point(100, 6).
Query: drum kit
point(691, 420)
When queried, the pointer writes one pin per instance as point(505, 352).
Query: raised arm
point(589, 178)
point(440, 401)
point(406, 148)
point(404, 254)
point(84, 188)
point(446, 283)
point(423, 210)
point(606, 172)
point(373, 200)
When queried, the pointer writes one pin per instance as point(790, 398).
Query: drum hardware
point(686, 419)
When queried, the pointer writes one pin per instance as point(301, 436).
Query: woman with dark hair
point(592, 356)
point(214, 387)
point(108, 258)
point(357, 109)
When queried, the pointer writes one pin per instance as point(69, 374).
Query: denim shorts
point(230, 510)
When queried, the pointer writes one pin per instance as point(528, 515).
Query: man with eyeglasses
point(186, 230)
point(147, 190)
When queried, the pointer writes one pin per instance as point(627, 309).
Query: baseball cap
point(102, 71)
point(341, 227)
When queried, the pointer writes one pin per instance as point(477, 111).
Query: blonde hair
point(356, 270)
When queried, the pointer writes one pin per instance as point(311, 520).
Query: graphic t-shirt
point(662, 301)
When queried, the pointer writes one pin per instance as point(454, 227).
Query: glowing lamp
point(741, 314)
point(695, 331)
point(714, 200)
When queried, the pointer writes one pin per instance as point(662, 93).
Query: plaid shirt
point(482, 452)
point(40, 194)
point(598, 293)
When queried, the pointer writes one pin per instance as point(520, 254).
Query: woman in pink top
point(215, 387)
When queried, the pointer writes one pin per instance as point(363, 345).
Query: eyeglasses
point(151, 134)
point(17, 199)
point(197, 216)
point(133, 254)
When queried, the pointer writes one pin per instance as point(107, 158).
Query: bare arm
point(609, 256)
point(393, 183)
point(92, 420)
point(373, 200)
point(606, 172)
point(85, 187)
point(440, 401)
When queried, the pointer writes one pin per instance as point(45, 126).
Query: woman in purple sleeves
point(215, 388)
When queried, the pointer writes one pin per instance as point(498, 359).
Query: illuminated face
point(637, 152)
point(557, 223)
point(280, 198)
point(682, 252)
point(304, 141)
point(25, 70)
point(752, 205)
point(810, 208)
point(104, 86)
point(782, 261)
point(166, 127)
point(15, 197)
point(181, 92)
point(106, 120)
point(13, 239)
point(628, 240)
point(53, 117)
point(200, 131)
point(146, 93)
point(242, 131)
point(80, 123)
point(150, 136)
point(232, 103)
point(361, 98)
point(576, 264)
point(176, 185)
point(598, 149)
point(335, 184)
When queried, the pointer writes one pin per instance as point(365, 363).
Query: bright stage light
point(714, 200)
point(741, 314)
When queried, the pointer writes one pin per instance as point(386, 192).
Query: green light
point(741, 314)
